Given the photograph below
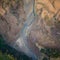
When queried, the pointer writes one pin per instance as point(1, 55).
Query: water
point(21, 42)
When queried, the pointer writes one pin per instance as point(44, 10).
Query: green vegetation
point(51, 53)
point(6, 56)
point(9, 53)
point(3, 51)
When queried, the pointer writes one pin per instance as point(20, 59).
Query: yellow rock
point(2, 11)
point(50, 7)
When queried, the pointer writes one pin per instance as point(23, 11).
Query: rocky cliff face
point(12, 18)
point(49, 7)
point(45, 30)
point(26, 23)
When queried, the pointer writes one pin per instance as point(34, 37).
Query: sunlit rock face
point(46, 29)
point(27, 24)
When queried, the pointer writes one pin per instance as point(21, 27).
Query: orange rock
point(50, 7)
point(2, 11)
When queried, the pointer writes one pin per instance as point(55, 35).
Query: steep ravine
point(23, 26)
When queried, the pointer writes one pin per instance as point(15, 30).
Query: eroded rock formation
point(26, 23)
